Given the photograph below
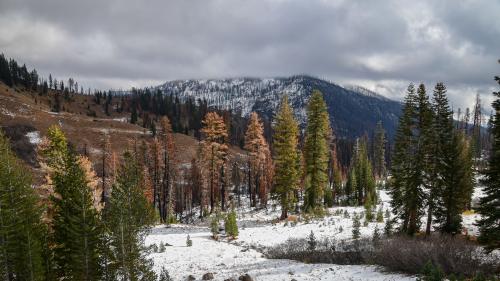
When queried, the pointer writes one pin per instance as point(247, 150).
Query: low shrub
point(448, 256)
point(453, 255)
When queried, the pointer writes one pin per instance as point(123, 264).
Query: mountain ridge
point(354, 110)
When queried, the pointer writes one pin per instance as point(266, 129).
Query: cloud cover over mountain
point(381, 45)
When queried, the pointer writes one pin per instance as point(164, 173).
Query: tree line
point(434, 166)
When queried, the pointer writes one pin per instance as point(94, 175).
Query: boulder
point(207, 276)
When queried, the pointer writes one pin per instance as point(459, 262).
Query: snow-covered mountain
point(353, 111)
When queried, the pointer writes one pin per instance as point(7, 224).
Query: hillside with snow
point(353, 111)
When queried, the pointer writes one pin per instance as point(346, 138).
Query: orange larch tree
point(259, 161)
point(214, 153)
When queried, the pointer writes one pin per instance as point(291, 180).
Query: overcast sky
point(382, 45)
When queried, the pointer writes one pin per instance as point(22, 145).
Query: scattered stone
point(231, 279)
point(191, 278)
point(245, 277)
point(293, 279)
point(207, 276)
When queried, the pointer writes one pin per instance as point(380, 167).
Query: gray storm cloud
point(382, 45)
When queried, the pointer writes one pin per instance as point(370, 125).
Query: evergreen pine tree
point(21, 231)
point(380, 215)
point(368, 209)
point(425, 149)
point(128, 216)
point(76, 226)
point(5, 74)
point(214, 227)
point(362, 185)
point(106, 152)
point(490, 204)
point(356, 224)
point(351, 186)
point(311, 241)
point(316, 151)
point(406, 189)
point(334, 188)
point(379, 151)
point(230, 225)
point(458, 185)
point(133, 115)
point(453, 165)
point(285, 141)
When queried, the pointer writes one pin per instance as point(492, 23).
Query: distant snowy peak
point(242, 95)
point(353, 110)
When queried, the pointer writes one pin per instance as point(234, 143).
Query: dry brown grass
point(84, 132)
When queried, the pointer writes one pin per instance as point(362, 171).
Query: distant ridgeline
point(353, 112)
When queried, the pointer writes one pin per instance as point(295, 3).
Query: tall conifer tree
point(379, 142)
point(425, 146)
point(453, 177)
point(128, 217)
point(286, 157)
point(76, 225)
point(20, 216)
point(316, 151)
point(406, 190)
point(489, 224)
point(458, 185)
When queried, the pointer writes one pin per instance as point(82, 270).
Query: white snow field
point(258, 229)
point(226, 259)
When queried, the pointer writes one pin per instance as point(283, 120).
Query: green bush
point(230, 225)
point(356, 224)
point(214, 227)
point(311, 242)
point(380, 215)
point(431, 273)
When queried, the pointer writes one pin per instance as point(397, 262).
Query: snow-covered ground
point(227, 260)
point(260, 229)
point(256, 228)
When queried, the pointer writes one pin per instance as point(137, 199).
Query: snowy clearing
point(259, 229)
point(226, 260)
point(256, 229)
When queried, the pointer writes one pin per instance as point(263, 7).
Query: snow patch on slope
point(34, 137)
